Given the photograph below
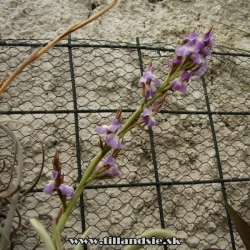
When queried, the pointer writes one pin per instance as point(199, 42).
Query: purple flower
point(148, 117)
point(203, 42)
point(187, 49)
point(149, 89)
point(112, 139)
point(191, 37)
point(149, 75)
point(111, 171)
point(201, 69)
point(146, 82)
point(66, 190)
point(200, 57)
point(112, 128)
point(50, 186)
point(109, 161)
point(174, 61)
point(179, 83)
point(196, 46)
point(207, 38)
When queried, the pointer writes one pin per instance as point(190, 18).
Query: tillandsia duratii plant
point(190, 60)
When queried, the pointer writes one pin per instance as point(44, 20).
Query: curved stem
point(40, 51)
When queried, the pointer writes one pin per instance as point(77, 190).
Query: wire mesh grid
point(173, 176)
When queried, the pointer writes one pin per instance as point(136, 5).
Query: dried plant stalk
point(40, 51)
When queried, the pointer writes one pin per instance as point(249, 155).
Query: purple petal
point(205, 52)
point(150, 122)
point(148, 75)
point(141, 81)
point(207, 38)
point(182, 88)
point(199, 45)
point(177, 85)
point(111, 173)
point(196, 58)
point(148, 93)
point(113, 141)
point(146, 79)
point(152, 88)
point(101, 129)
point(174, 61)
point(157, 81)
point(148, 117)
point(114, 125)
point(109, 161)
point(200, 57)
point(146, 111)
point(185, 49)
point(185, 76)
point(202, 69)
point(49, 188)
point(66, 190)
point(55, 174)
point(182, 51)
point(191, 37)
point(115, 172)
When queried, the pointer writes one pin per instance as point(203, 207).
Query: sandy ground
point(184, 143)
